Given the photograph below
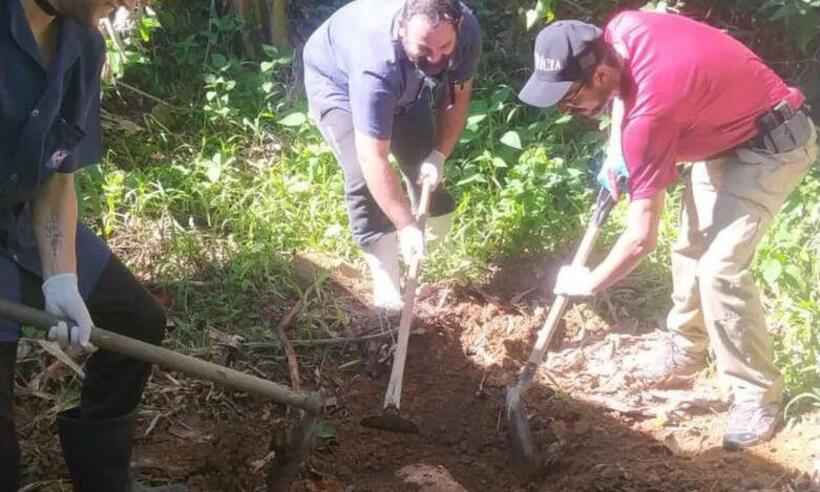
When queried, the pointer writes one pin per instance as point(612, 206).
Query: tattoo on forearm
point(55, 236)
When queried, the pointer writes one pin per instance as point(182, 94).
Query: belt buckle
point(784, 110)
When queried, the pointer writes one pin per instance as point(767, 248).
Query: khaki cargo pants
point(728, 204)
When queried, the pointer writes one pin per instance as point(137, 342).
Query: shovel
point(390, 419)
point(311, 403)
point(114, 342)
point(523, 448)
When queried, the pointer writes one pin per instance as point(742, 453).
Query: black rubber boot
point(98, 454)
point(9, 445)
point(9, 456)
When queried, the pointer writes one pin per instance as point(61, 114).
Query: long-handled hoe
point(311, 403)
point(390, 419)
point(524, 452)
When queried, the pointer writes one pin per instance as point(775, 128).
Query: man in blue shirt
point(386, 76)
point(49, 129)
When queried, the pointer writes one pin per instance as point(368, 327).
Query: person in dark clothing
point(50, 128)
point(398, 82)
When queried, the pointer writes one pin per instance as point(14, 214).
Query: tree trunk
point(266, 22)
point(248, 11)
point(279, 36)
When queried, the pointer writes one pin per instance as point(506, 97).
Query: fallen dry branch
point(287, 346)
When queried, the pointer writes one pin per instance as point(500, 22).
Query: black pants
point(114, 383)
point(412, 141)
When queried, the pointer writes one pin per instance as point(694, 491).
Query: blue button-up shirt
point(49, 123)
point(354, 61)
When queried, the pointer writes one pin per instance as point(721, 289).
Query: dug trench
point(596, 434)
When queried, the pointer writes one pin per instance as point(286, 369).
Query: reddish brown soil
point(472, 346)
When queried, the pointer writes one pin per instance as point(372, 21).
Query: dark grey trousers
point(412, 141)
point(114, 383)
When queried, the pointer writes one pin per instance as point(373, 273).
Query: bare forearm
point(382, 180)
point(451, 121)
point(384, 185)
point(624, 257)
point(55, 225)
point(638, 240)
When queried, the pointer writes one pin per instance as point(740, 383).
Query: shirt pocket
point(61, 142)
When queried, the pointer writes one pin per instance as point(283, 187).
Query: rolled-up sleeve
point(85, 93)
point(373, 103)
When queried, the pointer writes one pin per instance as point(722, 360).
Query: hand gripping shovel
point(524, 453)
point(390, 419)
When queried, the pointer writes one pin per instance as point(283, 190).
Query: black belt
point(775, 134)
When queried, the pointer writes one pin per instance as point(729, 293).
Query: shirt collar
point(68, 46)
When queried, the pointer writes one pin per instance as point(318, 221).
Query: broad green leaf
point(478, 106)
point(512, 139)
point(772, 269)
point(499, 162)
point(294, 119)
point(541, 11)
point(475, 119)
point(796, 275)
point(219, 60)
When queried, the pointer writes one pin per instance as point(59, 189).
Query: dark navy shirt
point(49, 123)
point(354, 61)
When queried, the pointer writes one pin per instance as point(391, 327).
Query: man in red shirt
point(688, 99)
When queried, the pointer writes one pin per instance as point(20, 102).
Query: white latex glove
point(573, 281)
point(432, 169)
point(411, 243)
point(63, 300)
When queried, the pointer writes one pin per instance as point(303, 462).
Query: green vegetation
point(210, 193)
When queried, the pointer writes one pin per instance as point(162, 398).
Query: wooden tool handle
point(106, 340)
point(392, 397)
point(603, 207)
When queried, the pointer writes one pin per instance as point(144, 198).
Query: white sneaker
point(382, 257)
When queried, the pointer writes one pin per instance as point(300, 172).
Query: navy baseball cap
point(563, 52)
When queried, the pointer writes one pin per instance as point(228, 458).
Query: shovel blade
point(285, 468)
point(523, 447)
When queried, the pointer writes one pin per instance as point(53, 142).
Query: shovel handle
point(392, 397)
point(424, 201)
point(603, 206)
point(114, 342)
